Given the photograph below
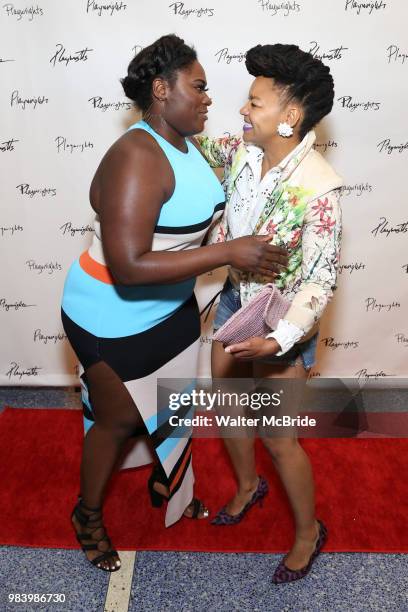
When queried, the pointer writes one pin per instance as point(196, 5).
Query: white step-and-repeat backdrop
point(61, 106)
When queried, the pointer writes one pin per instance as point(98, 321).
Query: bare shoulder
point(134, 158)
point(134, 146)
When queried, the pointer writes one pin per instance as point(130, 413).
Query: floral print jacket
point(304, 216)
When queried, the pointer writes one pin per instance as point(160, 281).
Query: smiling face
point(265, 109)
point(187, 102)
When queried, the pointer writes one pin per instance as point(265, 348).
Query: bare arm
point(134, 180)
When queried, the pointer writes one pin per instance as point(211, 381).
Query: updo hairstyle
point(301, 76)
point(163, 58)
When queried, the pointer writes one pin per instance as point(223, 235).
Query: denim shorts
point(230, 302)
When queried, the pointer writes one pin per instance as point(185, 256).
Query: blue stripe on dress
point(164, 413)
point(196, 185)
point(169, 444)
point(87, 424)
point(114, 311)
point(189, 229)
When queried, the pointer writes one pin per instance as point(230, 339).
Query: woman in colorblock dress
point(128, 307)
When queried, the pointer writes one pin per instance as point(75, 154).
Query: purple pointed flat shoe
point(284, 574)
point(223, 518)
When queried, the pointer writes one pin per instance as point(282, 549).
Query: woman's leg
point(295, 471)
point(116, 418)
point(240, 450)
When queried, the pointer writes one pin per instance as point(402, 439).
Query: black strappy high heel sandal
point(89, 520)
point(156, 498)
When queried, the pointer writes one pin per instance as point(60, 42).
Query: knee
point(280, 448)
point(121, 427)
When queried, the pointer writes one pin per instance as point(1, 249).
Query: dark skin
point(128, 197)
point(131, 184)
point(262, 113)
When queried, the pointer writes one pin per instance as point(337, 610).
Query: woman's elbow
point(124, 280)
point(125, 275)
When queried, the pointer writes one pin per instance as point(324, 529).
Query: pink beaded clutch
point(258, 318)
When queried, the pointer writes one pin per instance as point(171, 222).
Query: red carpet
point(362, 491)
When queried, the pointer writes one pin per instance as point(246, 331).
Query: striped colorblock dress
point(148, 332)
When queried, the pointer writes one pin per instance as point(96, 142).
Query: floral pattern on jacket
point(303, 214)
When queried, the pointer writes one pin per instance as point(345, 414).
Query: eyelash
point(202, 88)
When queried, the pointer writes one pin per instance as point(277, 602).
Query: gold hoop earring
point(148, 116)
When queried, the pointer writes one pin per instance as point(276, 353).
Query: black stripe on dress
point(165, 430)
point(181, 477)
point(180, 460)
point(188, 229)
point(138, 355)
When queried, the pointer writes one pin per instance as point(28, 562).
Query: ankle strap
point(87, 507)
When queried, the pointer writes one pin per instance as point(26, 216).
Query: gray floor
point(171, 582)
point(179, 581)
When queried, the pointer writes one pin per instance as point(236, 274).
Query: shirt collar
point(255, 154)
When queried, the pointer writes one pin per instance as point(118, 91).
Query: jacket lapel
point(283, 188)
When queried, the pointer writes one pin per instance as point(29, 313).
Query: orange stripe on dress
point(96, 269)
point(180, 470)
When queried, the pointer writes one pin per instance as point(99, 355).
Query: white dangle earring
point(285, 130)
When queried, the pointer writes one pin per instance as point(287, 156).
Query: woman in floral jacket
point(277, 184)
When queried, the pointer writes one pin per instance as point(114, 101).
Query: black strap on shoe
point(159, 475)
point(85, 519)
point(88, 521)
point(81, 502)
point(104, 557)
point(197, 505)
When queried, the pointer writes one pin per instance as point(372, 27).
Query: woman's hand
point(254, 348)
point(254, 254)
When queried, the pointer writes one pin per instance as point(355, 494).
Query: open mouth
point(247, 127)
